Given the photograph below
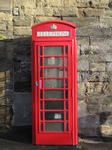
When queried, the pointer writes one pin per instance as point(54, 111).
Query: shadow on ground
point(18, 134)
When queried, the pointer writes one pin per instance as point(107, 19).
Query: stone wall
point(94, 52)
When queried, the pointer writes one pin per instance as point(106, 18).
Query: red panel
point(54, 126)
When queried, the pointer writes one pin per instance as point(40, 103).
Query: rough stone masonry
point(94, 52)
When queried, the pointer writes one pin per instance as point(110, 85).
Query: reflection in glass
point(53, 61)
point(53, 83)
point(54, 105)
point(66, 83)
point(40, 50)
point(53, 94)
point(55, 72)
point(53, 50)
point(54, 116)
point(54, 126)
point(66, 72)
point(66, 61)
point(66, 50)
point(40, 83)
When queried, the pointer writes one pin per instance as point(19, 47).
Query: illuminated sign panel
point(53, 33)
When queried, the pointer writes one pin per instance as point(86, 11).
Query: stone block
point(41, 19)
point(94, 87)
point(108, 13)
point(82, 65)
point(93, 32)
point(7, 35)
point(89, 125)
point(83, 41)
point(22, 109)
point(109, 67)
point(82, 107)
point(45, 11)
point(52, 3)
point(106, 22)
point(107, 108)
point(10, 26)
point(106, 130)
point(70, 3)
point(102, 44)
point(5, 17)
point(90, 3)
point(2, 26)
point(5, 5)
point(22, 21)
point(86, 22)
point(2, 75)
point(97, 67)
point(90, 12)
point(65, 12)
point(81, 88)
point(22, 31)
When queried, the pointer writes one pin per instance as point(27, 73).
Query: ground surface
point(21, 139)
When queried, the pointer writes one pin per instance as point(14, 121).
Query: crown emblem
point(53, 27)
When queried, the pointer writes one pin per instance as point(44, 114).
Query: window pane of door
point(54, 115)
point(53, 94)
point(53, 83)
point(53, 61)
point(53, 50)
point(55, 72)
point(54, 126)
point(54, 105)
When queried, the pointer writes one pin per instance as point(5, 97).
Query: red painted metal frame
point(54, 138)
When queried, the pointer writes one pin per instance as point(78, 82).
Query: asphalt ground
point(20, 138)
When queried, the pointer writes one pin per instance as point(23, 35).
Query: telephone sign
point(54, 83)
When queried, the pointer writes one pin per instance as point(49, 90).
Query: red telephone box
point(54, 83)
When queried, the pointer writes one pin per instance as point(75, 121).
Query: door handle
point(36, 83)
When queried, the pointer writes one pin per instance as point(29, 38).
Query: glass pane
point(54, 126)
point(66, 126)
point(66, 50)
point(40, 72)
point(66, 83)
point(41, 94)
point(41, 105)
point(53, 83)
point(66, 93)
point(66, 115)
point(40, 83)
point(53, 61)
point(66, 105)
point(54, 105)
point(53, 94)
point(66, 72)
point(40, 50)
point(54, 115)
point(55, 72)
point(41, 126)
point(53, 50)
point(41, 115)
point(40, 61)
point(66, 61)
